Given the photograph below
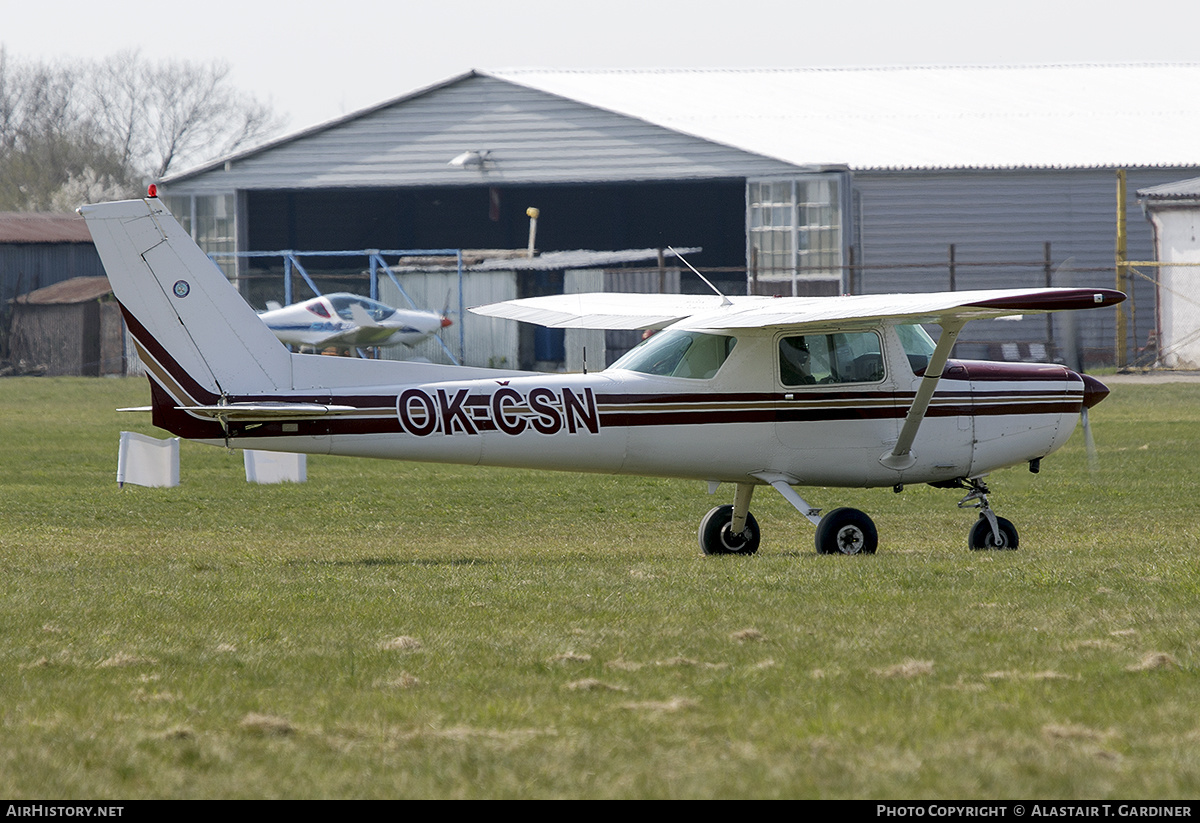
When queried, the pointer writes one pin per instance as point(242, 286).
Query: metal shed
point(1173, 209)
point(38, 250)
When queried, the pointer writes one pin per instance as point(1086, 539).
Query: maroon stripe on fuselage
point(631, 415)
point(174, 371)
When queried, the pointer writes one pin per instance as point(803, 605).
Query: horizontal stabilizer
point(267, 411)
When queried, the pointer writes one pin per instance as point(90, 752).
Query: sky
point(316, 60)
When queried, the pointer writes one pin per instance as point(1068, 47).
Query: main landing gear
point(733, 529)
point(717, 535)
point(846, 531)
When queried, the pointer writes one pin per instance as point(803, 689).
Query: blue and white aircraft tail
point(750, 391)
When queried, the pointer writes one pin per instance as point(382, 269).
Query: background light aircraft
point(349, 321)
point(749, 391)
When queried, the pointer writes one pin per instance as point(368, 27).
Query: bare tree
point(198, 114)
point(107, 126)
point(120, 99)
point(47, 136)
point(160, 116)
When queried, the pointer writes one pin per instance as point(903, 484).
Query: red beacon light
point(152, 191)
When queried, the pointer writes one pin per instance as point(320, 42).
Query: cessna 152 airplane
point(348, 321)
point(749, 391)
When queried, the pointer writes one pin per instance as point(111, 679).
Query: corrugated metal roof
point(40, 227)
point(985, 117)
point(519, 260)
point(1182, 190)
point(579, 259)
point(75, 290)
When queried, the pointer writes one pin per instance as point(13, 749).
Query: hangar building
point(807, 181)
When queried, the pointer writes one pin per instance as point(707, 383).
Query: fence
point(1173, 341)
point(1129, 337)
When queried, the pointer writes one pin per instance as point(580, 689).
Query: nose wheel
point(983, 534)
point(989, 531)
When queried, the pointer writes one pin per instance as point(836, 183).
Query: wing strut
point(901, 457)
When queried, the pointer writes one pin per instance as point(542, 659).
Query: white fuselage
point(740, 423)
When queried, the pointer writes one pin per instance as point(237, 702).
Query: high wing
point(656, 311)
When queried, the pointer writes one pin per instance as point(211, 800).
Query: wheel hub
point(731, 541)
point(850, 540)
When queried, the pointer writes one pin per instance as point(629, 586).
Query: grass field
point(412, 631)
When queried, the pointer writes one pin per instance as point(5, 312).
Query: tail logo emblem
point(182, 288)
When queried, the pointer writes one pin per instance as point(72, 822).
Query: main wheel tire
point(981, 537)
point(846, 531)
point(716, 537)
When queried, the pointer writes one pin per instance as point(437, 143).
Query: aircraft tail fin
point(196, 335)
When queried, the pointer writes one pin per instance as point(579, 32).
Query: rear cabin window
point(679, 354)
point(821, 359)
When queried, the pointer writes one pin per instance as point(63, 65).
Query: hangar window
point(794, 233)
point(210, 220)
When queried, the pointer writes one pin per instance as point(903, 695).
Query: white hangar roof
point(551, 125)
point(974, 117)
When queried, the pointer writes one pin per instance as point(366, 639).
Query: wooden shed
point(70, 328)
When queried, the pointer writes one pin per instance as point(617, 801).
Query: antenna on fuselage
point(725, 301)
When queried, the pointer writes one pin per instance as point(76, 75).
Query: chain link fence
point(1170, 338)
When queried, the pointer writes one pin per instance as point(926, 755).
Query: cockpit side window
point(812, 359)
point(695, 355)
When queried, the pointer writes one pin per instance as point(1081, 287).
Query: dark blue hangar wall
point(602, 216)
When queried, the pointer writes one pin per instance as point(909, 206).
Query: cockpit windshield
point(341, 304)
point(673, 353)
point(918, 345)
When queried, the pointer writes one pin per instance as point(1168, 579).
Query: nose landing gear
point(989, 531)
